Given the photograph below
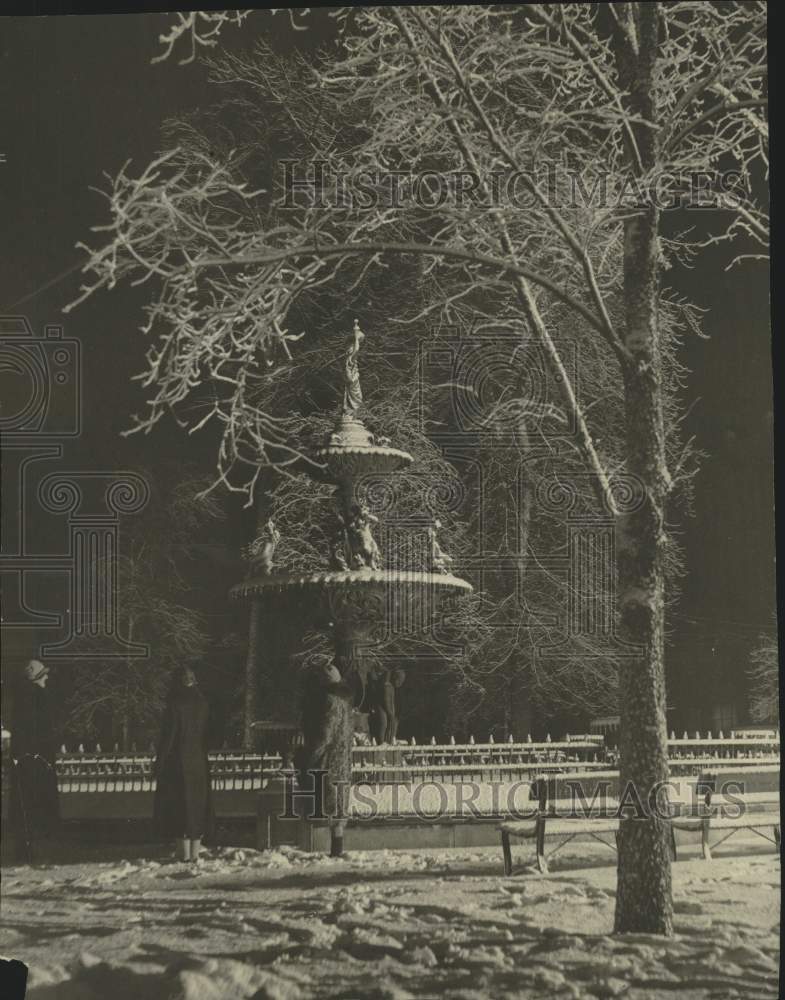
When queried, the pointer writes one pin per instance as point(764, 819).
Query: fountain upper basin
point(326, 580)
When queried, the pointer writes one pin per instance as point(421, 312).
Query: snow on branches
point(439, 122)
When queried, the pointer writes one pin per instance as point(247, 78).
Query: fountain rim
point(282, 582)
point(374, 450)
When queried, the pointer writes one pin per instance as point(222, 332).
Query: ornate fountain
point(356, 597)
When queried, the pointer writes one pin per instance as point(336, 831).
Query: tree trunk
point(508, 708)
point(125, 724)
point(251, 662)
point(643, 899)
point(251, 682)
point(522, 714)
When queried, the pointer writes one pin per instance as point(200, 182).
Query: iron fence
point(233, 770)
point(229, 771)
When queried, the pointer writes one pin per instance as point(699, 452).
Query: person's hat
point(35, 670)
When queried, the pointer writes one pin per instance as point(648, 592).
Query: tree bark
point(251, 687)
point(643, 898)
point(251, 682)
point(126, 721)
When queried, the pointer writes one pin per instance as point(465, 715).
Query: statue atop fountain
point(349, 430)
point(352, 392)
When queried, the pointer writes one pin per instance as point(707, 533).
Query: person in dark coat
point(183, 807)
point(35, 804)
point(328, 735)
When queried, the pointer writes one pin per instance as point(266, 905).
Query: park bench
point(557, 818)
point(554, 826)
point(755, 812)
point(565, 819)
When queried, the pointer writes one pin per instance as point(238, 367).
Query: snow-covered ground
point(447, 923)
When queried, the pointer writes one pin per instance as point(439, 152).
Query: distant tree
point(255, 645)
point(157, 605)
point(763, 674)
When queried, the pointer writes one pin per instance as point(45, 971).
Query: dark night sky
point(82, 97)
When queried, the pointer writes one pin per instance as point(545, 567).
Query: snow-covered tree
point(763, 674)
point(652, 107)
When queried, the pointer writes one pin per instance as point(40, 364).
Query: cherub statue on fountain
point(362, 545)
point(261, 551)
point(440, 561)
point(339, 546)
